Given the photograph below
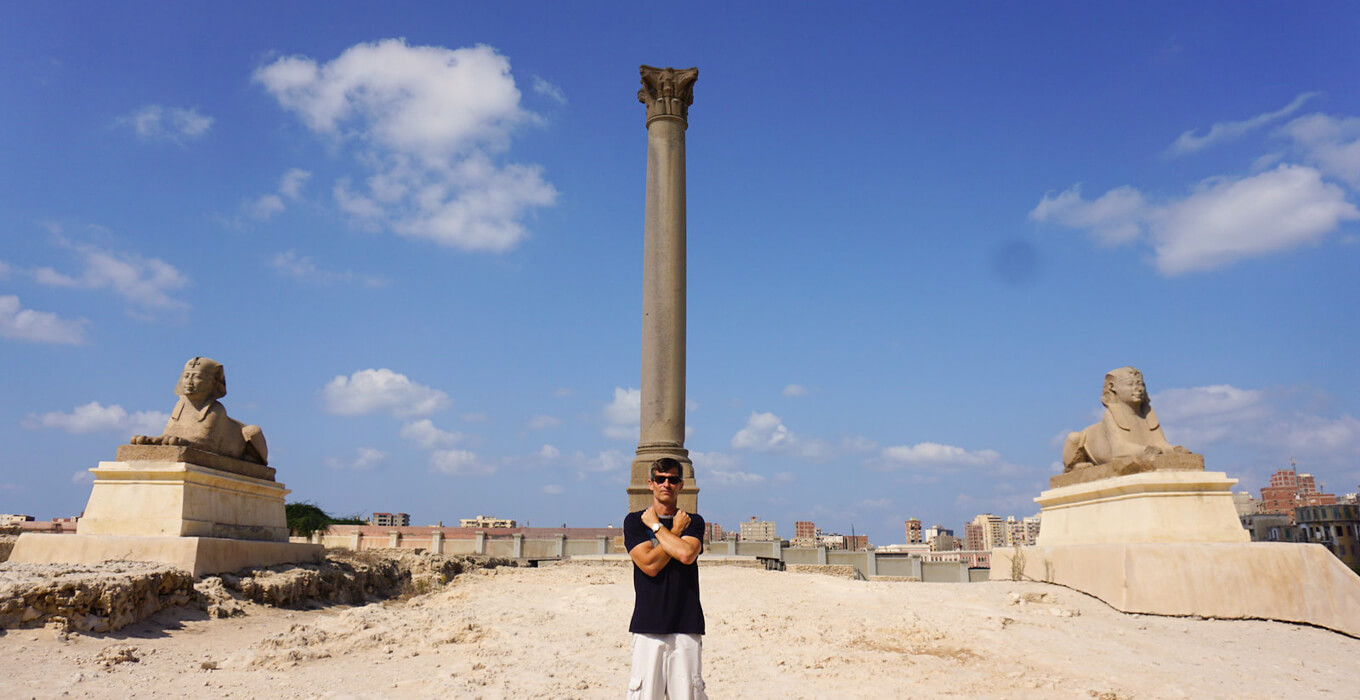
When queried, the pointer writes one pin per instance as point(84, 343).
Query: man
point(668, 621)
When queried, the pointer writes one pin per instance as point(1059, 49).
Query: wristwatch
point(656, 527)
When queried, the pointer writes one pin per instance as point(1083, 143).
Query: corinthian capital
point(667, 92)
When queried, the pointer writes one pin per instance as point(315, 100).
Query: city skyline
point(919, 236)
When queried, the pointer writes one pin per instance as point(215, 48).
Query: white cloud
point(267, 205)
point(543, 422)
point(1267, 424)
point(145, 282)
point(1115, 217)
point(795, 390)
point(858, 443)
point(604, 461)
point(1220, 221)
point(875, 503)
point(263, 206)
point(378, 390)
point(292, 182)
point(425, 434)
point(460, 463)
point(562, 392)
point(291, 264)
point(96, 418)
point(549, 452)
point(549, 90)
point(933, 456)
point(366, 459)
point(38, 326)
point(1225, 220)
point(765, 432)
point(551, 489)
point(426, 121)
point(1330, 143)
point(623, 415)
point(1189, 142)
point(155, 122)
point(82, 476)
point(733, 478)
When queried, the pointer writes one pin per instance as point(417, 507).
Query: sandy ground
point(561, 632)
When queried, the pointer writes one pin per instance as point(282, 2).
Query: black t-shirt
point(667, 603)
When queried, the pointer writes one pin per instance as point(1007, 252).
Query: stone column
point(667, 93)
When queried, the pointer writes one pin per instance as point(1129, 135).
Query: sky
point(919, 235)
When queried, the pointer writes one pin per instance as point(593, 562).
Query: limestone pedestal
point(1152, 506)
point(1252, 580)
point(1170, 543)
point(181, 499)
point(157, 505)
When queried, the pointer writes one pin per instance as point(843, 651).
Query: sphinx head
point(1125, 385)
point(203, 379)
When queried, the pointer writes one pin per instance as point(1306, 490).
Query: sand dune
point(561, 632)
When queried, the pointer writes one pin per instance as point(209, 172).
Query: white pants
point(666, 667)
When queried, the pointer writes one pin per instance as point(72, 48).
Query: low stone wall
point(108, 596)
point(89, 598)
point(837, 570)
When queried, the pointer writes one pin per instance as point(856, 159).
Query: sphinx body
point(199, 420)
point(1129, 427)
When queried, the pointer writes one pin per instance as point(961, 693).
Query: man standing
point(668, 621)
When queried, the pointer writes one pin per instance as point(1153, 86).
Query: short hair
point(666, 465)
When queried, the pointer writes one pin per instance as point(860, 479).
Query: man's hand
point(649, 517)
point(681, 522)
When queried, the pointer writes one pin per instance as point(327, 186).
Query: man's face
point(666, 486)
point(196, 382)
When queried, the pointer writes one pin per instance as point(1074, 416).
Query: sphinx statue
point(199, 420)
point(1129, 427)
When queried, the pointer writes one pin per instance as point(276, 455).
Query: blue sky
point(919, 235)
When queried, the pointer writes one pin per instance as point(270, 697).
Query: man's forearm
point(676, 547)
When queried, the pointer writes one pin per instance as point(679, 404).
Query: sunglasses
point(662, 479)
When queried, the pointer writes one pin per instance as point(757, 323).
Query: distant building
point(1245, 504)
point(1334, 527)
point(390, 520)
point(913, 531)
point(805, 533)
point(713, 532)
point(985, 532)
point(1290, 490)
point(486, 521)
point(14, 518)
point(1271, 527)
point(758, 531)
point(940, 538)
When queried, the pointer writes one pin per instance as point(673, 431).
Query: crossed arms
point(670, 545)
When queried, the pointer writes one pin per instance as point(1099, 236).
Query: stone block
point(183, 499)
point(1123, 466)
point(199, 556)
point(1265, 580)
point(1154, 506)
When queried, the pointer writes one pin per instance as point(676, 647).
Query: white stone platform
point(1153, 506)
point(162, 504)
point(199, 556)
point(179, 498)
point(1170, 543)
point(1253, 580)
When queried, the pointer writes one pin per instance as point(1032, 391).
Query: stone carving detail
point(200, 421)
point(1129, 428)
point(667, 92)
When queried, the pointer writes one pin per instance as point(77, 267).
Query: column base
point(1154, 506)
